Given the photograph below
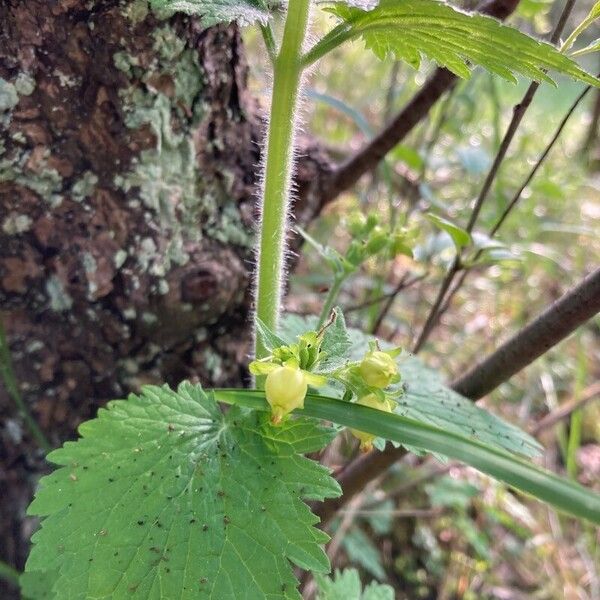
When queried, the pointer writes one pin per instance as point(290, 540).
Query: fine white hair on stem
point(290, 191)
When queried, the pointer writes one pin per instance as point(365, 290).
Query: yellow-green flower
point(372, 401)
point(378, 369)
point(285, 389)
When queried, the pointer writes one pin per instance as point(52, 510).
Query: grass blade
point(566, 496)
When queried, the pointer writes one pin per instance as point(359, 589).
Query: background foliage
point(481, 542)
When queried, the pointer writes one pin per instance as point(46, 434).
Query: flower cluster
point(370, 238)
point(289, 372)
point(291, 369)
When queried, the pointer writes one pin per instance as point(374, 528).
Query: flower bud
point(399, 245)
point(372, 401)
point(378, 240)
point(378, 369)
point(372, 221)
point(285, 389)
point(356, 223)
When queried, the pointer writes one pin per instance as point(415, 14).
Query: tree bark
point(128, 156)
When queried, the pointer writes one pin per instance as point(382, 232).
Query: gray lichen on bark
point(127, 155)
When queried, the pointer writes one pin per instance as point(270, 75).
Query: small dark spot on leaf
point(140, 522)
point(205, 527)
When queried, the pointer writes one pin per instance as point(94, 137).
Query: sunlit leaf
point(410, 29)
point(346, 585)
point(460, 237)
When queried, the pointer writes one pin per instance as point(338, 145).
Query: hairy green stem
point(336, 37)
point(269, 39)
point(287, 71)
point(7, 375)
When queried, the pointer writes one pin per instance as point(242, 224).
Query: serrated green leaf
point(213, 12)
point(164, 496)
point(408, 29)
point(428, 400)
point(37, 585)
point(565, 495)
point(336, 344)
point(269, 339)
point(378, 591)
point(346, 585)
point(460, 236)
point(591, 17)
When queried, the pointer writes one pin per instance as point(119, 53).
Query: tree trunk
point(127, 164)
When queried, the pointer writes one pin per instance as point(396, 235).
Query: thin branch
point(355, 476)
point(517, 196)
point(567, 408)
point(518, 114)
point(404, 285)
point(519, 111)
point(558, 321)
point(368, 157)
point(433, 314)
point(428, 470)
point(434, 136)
point(592, 134)
point(514, 200)
point(385, 309)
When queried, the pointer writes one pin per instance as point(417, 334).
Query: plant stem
point(269, 39)
point(7, 374)
point(332, 295)
point(287, 72)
